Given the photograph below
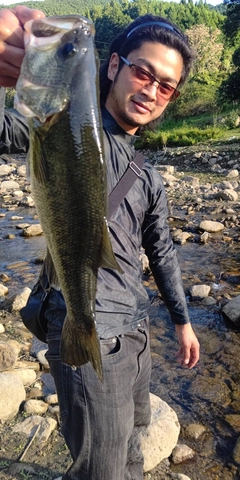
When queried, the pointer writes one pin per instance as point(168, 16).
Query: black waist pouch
point(33, 314)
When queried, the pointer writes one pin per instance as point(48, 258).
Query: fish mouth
point(38, 31)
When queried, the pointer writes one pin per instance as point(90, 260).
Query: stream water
point(208, 394)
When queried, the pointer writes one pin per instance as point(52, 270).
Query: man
point(101, 421)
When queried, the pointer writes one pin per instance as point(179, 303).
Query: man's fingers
point(24, 13)
point(7, 81)
point(16, 55)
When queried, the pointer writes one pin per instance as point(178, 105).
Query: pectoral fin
point(108, 259)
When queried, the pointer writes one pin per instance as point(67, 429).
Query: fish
point(58, 90)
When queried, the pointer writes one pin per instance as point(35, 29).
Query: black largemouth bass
point(58, 89)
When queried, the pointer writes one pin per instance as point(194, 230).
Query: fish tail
point(79, 347)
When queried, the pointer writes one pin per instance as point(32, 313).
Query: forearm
point(169, 282)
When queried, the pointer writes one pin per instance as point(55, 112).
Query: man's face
point(132, 104)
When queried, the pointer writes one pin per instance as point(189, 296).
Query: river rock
point(236, 452)
point(199, 291)
point(211, 226)
point(27, 201)
point(232, 173)
point(21, 171)
point(12, 394)
point(166, 168)
point(27, 375)
point(228, 195)
point(181, 453)
point(191, 179)
point(6, 169)
point(3, 290)
point(195, 430)
point(2, 328)
point(20, 300)
point(181, 237)
point(51, 399)
point(29, 426)
point(23, 469)
point(159, 439)
point(8, 356)
point(37, 407)
point(33, 230)
point(9, 185)
point(232, 310)
point(179, 476)
point(42, 358)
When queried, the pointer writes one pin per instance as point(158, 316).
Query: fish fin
point(51, 271)
point(79, 347)
point(108, 259)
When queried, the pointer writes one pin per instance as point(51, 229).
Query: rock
point(6, 169)
point(232, 310)
point(27, 201)
point(181, 237)
point(27, 375)
point(145, 263)
point(228, 194)
point(190, 179)
point(181, 453)
point(2, 328)
point(42, 359)
point(29, 426)
point(12, 394)
point(159, 439)
point(35, 407)
point(51, 399)
point(236, 452)
point(211, 226)
point(199, 291)
point(166, 168)
point(209, 301)
point(22, 469)
point(232, 173)
point(179, 476)
point(32, 231)
point(8, 356)
point(195, 430)
point(9, 185)
point(20, 300)
point(21, 171)
point(3, 290)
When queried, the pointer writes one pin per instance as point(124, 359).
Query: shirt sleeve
point(162, 255)
point(14, 136)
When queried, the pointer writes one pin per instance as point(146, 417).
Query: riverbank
point(203, 185)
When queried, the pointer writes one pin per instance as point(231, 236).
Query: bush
point(182, 136)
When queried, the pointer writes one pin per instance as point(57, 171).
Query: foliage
point(179, 136)
point(208, 50)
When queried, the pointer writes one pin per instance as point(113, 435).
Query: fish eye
point(69, 49)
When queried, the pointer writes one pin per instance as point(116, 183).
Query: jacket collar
point(112, 127)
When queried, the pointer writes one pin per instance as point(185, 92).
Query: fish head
point(55, 48)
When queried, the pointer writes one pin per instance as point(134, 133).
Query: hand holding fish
point(11, 41)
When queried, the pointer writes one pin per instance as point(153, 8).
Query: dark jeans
point(101, 421)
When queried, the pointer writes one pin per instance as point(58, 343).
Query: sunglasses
point(145, 78)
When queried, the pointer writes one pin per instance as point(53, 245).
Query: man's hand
point(188, 354)
point(11, 42)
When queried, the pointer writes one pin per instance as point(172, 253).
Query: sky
point(10, 2)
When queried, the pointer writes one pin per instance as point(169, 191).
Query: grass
point(191, 131)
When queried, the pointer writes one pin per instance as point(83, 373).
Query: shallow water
point(208, 393)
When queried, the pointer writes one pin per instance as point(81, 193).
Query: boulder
point(160, 438)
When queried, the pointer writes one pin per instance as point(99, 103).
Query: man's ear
point(113, 66)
